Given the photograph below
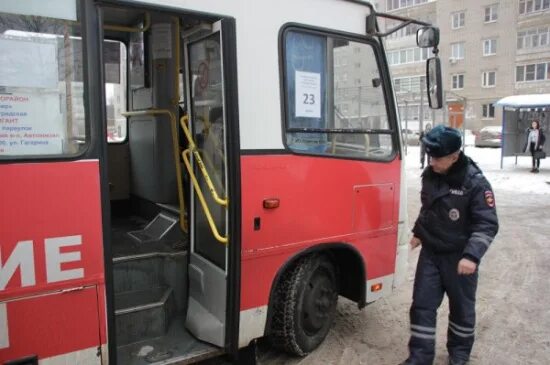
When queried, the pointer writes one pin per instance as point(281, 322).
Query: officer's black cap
point(442, 141)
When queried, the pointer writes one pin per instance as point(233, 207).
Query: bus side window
point(41, 82)
point(334, 100)
point(306, 84)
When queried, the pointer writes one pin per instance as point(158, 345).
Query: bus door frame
point(93, 57)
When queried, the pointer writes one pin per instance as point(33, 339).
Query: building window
point(533, 6)
point(400, 4)
point(488, 111)
point(491, 13)
point(534, 38)
point(409, 84)
point(530, 72)
point(457, 50)
point(458, 81)
point(489, 47)
point(533, 72)
point(488, 79)
point(458, 20)
point(412, 113)
point(541, 71)
point(407, 55)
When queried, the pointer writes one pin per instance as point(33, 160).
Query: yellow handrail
point(200, 195)
point(174, 125)
point(200, 163)
point(186, 160)
point(216, 179)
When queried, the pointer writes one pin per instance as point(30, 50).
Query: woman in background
point(534, 142)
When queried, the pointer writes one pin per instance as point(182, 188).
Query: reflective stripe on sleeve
point(482, 237)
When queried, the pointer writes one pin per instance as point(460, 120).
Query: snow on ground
point(511, 177)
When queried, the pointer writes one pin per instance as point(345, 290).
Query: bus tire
point(304, 305)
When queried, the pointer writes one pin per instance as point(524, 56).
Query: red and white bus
point(181, 177)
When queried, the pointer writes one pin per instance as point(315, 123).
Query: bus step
point(143, 272)
point(137, 273)
point(143, 314)
point(163, 225)
point(174, 209)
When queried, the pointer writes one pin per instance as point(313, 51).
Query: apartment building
point(489, 49)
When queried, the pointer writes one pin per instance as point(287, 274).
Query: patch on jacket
point(454, 214)
point(489, 198)
point(456, 192)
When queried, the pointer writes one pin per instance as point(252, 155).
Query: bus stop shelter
point(519, 111)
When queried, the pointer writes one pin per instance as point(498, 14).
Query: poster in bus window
point(28, 62)
point(308, 94)
point(138, 67)
point(31, 117)
point(161, 42)
point(29, 125)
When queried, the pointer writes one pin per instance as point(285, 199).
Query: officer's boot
point(457, 362)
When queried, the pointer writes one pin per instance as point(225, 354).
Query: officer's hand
point(415, 242)
point(466, 267)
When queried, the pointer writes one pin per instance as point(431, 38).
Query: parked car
point(489, 137)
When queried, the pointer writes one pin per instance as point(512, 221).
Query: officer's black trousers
point(436, 274)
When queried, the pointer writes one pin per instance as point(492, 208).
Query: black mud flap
point(248, 355)
point(29, 360)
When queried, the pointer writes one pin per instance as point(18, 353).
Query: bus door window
point(114, 57)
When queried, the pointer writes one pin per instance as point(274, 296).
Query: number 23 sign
point(308, 94)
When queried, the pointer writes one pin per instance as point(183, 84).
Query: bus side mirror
point(433, 80)
point(427, 37)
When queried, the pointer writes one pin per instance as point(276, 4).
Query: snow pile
point(512, 177)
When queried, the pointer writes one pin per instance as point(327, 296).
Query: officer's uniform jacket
point(458, 211)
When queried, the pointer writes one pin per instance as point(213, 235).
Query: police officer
point(456, 225)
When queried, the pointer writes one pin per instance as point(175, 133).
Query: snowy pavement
point(511, 177)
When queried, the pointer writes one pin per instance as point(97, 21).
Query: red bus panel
point(322, 200)
point(51, 259)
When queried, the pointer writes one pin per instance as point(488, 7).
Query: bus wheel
point(305, 305)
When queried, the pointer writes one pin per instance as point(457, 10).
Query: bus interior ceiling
point(149, 243)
